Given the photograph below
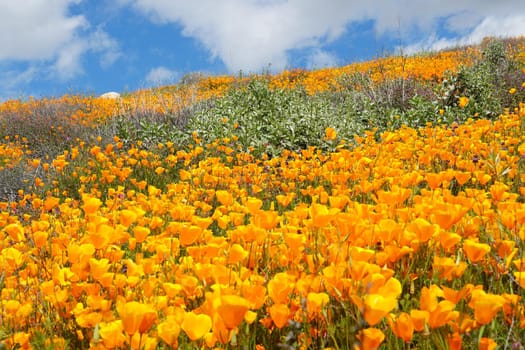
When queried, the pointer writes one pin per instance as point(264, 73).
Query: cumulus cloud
point(161, 75)
point(44, 34)
point(36, 29)
point(322, 59)
point(11, 79)
point(509, 26)
point(250, 34)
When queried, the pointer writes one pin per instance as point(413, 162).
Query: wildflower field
point(377, 205)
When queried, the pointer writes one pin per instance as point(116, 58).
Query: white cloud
point(36, 29)
point(108, 48)
point(322, 59)
point(250, 34)
point(11, 79)
point(489, 26)
point(161, 75)
point(43, 34)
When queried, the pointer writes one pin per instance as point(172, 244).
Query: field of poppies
point(377, 205)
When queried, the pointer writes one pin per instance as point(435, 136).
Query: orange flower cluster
point(402, 234)
point(84, 110)
point(172, 100)
point(10, 154)
point(421, 67)
point(88, 110)
point(410, 235)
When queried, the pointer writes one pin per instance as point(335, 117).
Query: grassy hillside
point(379, 204)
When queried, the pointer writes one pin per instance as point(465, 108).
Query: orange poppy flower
point(15, 231)
point(101, 237)
point(463, 101)
point(141, 233)
point(330, 134)
point(423, 229)
point(482, 177)
point(455, 341)
point(498, 191)
point(111, 334)
point(280, 314)
point(254, 294)
point(377, 307)
point(442, 314)
point(127, 217)
point(189, 234)
point(136, 317)
point(232, 310)
point(475, 251)
point(169, 329)
point(321, 215)
point(22, 340)
point(315, 303)
point(446, 215)
point(392, 288)
point(520, 277)
point(487, 344)
point(266, 219)
point(285, 200)
point(429, 297)
point(485, 305)
point(224, 197)
point(237, 254)
point(448, 268)
point(279, 288)
point(13, 257)
point(395, 196)
point(370, 338)
point(434, 180)
point(419, 319)
point(402, 326)
point(449, 240)
point(40, 238)
point(203, 223)
point(195, 325)
point(98, 267)
point(50, 203)
point(253, 205)
point(91, 205)
point(462, 177)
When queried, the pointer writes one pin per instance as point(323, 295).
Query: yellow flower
point(463, 101)
point(330, 134)
point(402, 326)
point(169, 330)
point(15, 231)
point(475, 251)
point(370, 338)
point(111, 334)
point(91, 205)
point(280, 314)
point(196, 326)
point(315, 303)
point(377, 307)
point(137, 317)
point(232, 310)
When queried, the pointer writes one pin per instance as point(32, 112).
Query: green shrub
point(486, 83)
point(267, 121)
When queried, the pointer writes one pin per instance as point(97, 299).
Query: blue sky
point(54, 47)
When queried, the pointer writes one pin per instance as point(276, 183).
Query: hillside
point(380, 204)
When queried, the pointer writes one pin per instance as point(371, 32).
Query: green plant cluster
point(267, 121)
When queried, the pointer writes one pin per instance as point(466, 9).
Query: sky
point(54, 47)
